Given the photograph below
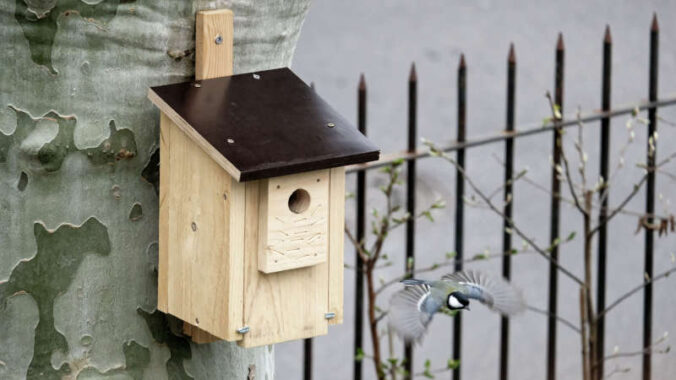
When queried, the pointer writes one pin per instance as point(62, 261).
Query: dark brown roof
point(264, 125)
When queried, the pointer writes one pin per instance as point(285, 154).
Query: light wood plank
point(279, 306)
point(165, 173)
point(294, 231)
point(213, 60)
point(194, 135)
point(336, 241)
point(199, 259)
point(198, 335)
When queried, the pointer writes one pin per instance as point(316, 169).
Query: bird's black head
point(457, 301)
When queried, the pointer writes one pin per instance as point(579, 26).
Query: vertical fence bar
point(604, 195)
point(554, 216)
point(361, 230)
point(459, 202)
point(650, 199)
point(410, 197)
point(307, 359)
point(509, 200)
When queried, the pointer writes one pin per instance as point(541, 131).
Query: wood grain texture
point(289, 239)
point(163, 241)
point(213, 60)
point(198, 335)
point(336, 242)
point(194, 135)
point(196, 241)
point(279, 306)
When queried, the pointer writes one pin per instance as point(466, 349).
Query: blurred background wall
point(381, 38)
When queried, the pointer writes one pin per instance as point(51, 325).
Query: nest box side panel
point(336, 241)
point(201, 267)
point(284, 305)
point(294, 221)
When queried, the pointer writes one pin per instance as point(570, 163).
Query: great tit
point(412, 308)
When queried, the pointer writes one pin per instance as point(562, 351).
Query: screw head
point(197, 85)
point(256, 76)
point(230, 141)
point(218, 40)
point(330, 125)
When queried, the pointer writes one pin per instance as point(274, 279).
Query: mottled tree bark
point(79, 177)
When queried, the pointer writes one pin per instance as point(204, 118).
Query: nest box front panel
point(285, 305)
point(294, 218)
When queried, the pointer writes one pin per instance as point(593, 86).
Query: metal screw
point(193, 225)
point(256, 76)
point(243, 330)
point(330, 315)
point(330, 125)
point(231, 141)
point(197, 85)
point(218, 40)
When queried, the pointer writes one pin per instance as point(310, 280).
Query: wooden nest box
point(252, 197)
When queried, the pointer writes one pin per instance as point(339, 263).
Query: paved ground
point(381, 38)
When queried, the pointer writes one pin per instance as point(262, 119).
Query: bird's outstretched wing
point(411, 310)
point(494, 292)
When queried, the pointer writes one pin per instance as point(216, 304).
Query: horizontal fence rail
point(525, 130)
point(508, 134)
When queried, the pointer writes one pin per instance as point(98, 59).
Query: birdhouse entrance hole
point(299, 201)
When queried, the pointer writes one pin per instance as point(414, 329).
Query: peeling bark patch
point(151, 172)
point(136, 358)
point(39, 28)
point(136, 212)
point(5, 143)
point(115, 191)
point(179, 346)
point(48, 274)
point(120, 145)
point(23, 181)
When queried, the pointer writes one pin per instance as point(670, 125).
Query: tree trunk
point(79, 177)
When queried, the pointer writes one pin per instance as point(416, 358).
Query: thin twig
point(634, 290)
point(566, 322)
point(634, 191)
point(490, 204)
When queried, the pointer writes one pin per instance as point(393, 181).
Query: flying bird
point(412, 308)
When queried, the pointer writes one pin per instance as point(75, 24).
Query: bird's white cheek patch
point(454, 303)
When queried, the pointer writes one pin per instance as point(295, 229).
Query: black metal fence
point(510, 132)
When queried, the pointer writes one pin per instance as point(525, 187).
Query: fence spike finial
point(655, 26)
point(362, 82)
point(412, 76)
point(559, 42)
point(607, 38)
point(512, 55)
point(462, 65)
